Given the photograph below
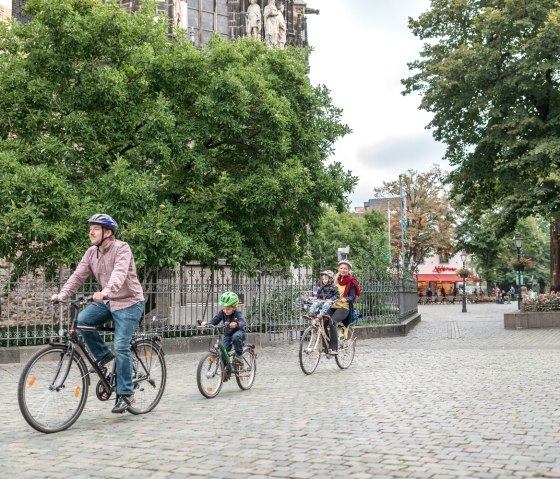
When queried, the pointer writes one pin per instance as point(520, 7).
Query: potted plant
point(521, 263)
point(463, 272)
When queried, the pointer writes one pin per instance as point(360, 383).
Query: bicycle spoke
point(53, 389)
point(209, 375)
point(149, 376)
point(310, 349)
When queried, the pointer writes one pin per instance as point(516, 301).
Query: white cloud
point(361, 50)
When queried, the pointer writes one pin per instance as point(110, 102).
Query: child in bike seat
point(234, 331)
point(327, 294)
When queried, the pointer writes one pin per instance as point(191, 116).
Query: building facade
point(439, 275)
point(5, 9)
point(227, 18)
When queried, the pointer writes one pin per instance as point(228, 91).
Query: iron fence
point(177, 299)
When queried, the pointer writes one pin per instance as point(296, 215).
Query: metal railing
point(177, 298)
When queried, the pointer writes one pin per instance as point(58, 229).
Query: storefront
point(438, 283)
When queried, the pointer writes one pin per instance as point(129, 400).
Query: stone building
point(228, 18)
point(5, 9)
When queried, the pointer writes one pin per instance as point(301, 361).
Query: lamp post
point(389, 199)
point(464, 258)
point(518, 241)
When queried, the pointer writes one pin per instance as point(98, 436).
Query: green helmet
point(229, 299)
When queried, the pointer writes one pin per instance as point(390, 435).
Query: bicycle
point(53, 386)
point(314, 342)
point(216, 367)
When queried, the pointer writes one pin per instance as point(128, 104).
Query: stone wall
point(530, 320)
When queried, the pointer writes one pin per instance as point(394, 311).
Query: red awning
point(443, 278)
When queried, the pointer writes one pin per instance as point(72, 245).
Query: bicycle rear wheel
point(245, 374)
point(53, 389)
point(346, 350)
point(310, 350)
point(149, 374)
point(210, 375)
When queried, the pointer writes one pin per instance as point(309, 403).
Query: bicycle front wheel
point(53, 389)
point(347, 350)
point(210, 375)
point(310, 350)
point(246, 371)
point(149, 375)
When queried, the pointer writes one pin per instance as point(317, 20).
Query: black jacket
point(328, 291)
point(236, 316)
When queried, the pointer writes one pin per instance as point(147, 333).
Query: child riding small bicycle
point(234, 331)
point(326, 295)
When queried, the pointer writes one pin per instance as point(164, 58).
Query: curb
point(21, 354)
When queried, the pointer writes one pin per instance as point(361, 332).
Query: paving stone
point(482, 405)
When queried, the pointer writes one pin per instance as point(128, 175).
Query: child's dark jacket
point(329, 291)
point(236, 316)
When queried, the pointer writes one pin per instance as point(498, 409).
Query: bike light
point(149, 354)
point(77, 391)
point(32, 381)
point(213, 359)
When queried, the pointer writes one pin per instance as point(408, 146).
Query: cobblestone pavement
point(460, 397)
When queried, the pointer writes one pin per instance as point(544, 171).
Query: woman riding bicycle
point(343, 310)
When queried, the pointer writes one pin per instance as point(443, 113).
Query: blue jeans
point(320, 306)
point(126, 322)
point(237, 340)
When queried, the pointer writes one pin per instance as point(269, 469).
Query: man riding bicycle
point(120, 300)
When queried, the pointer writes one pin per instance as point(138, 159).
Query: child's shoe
point(237, 362)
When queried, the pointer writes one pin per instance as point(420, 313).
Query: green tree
point(365, 235)
point(479, 238)
point(493, 255)
point(198, 153)
point(489, 73)
point(429, 228)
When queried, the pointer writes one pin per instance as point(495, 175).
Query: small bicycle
point(53, 386)
point(217, 366)
point(315, 339)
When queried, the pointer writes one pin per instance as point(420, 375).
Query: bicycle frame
point(73, 340)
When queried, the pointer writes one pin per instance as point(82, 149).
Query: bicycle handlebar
point(79, 301)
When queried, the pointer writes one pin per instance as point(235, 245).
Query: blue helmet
point(104, 220)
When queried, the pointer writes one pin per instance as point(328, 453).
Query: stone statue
point(271, 14)
point(281, 29)
point(254, 20)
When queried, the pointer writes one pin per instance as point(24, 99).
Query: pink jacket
point(113, 269)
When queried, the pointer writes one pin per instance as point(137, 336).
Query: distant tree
point(494, 255)
point(365, 235)
point(429, 228)
point(478, 237)
point(201, 154)
point(489, 74)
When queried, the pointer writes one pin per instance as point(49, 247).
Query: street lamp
point(464, 258)
point(518, 241)
point(389, 199)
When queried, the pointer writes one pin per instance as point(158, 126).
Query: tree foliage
point(198, 153)
point(493, 255)
point(429, 228)
point(365, 235)
point(489, 73)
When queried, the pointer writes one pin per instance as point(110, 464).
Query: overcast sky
point(361, 50)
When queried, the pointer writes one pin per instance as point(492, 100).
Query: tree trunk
point(555, 254)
